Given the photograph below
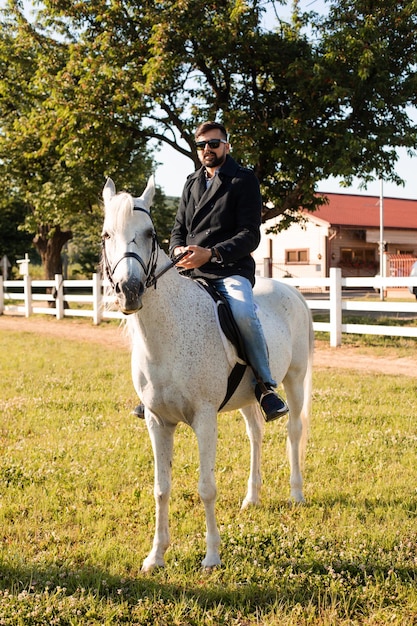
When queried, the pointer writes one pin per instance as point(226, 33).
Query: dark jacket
point(227, 216)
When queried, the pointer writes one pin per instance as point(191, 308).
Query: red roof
point(364, 211)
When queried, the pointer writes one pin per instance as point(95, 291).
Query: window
point(296, 256)
point(358, 257)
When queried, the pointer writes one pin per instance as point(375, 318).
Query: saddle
point(232, 332)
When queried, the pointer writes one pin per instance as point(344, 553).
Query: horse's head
point(129, 242)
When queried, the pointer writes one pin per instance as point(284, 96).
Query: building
point(344, 233)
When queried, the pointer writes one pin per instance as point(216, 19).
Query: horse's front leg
point(162, 438)
point(255, 427)
point(206, 431)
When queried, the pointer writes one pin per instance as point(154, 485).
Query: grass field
point(77, 510)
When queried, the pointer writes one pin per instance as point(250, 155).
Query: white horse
point(181, 361)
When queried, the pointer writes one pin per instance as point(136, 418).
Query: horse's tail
point(308, 392)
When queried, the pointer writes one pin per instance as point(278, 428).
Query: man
point(218, 224)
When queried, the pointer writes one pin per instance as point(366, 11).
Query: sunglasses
point(213, 144)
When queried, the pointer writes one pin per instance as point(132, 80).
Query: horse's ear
point(109, 190)
point(148, 194)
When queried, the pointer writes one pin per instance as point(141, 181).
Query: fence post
point(1, 296)
point(268, 267)
point(27, 289)
point(335, 307)
point(97, 299)
point(59, 297)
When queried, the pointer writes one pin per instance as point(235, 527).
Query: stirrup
point(139, 411)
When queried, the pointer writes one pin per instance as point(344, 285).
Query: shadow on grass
point(365, 504)
point(307, 585)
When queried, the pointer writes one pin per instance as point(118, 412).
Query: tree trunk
point(49, 243)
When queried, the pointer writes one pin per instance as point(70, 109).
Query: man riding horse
point(218, 225)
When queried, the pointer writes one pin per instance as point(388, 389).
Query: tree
point(55, 152)
point(302, 107)
point(369, 51)
point(314, 97)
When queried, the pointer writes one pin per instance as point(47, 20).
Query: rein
point(149, 269)
point(168, 267)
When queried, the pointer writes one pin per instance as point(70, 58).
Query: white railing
point(62, 298)
point(336, 304)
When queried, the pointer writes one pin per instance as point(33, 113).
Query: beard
point(210, 159)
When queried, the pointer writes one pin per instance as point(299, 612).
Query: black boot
point(272, 405)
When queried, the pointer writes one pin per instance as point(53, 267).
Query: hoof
point(296, 501)
point(151, 566)
point(209, 569)
point(249, 503)
point(152, 569)
point(208, 565)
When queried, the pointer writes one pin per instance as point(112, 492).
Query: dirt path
point(345, 357)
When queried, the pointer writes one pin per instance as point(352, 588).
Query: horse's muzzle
point(129, 296)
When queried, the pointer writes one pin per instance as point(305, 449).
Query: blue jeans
point(237, 290)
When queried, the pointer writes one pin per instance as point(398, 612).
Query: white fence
point(61, 298)
point(86, 298)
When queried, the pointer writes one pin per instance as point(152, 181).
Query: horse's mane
point(120, 209)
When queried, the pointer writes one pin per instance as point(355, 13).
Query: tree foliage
point(57, 145)
point(14, 243)
point(91, 83)
point(369, 50)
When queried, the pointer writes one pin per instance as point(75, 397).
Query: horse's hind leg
point(255, 427)
point(162, 444)
point(297, 435)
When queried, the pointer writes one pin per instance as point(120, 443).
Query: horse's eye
point(105, 236)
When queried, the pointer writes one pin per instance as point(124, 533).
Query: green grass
point(77, 510)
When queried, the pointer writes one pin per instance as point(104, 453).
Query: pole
point(381, 239)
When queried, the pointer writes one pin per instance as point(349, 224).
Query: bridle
point(149, 268)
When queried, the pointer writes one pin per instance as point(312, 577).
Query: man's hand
point(197, 256)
